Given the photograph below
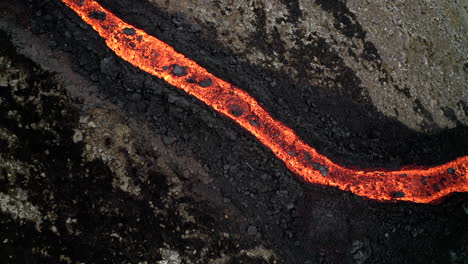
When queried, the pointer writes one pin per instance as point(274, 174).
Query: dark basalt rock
point(97, 15)
point(179, 71)
point(206, 83)
point(129, 31)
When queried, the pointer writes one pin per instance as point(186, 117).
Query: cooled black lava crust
point(322, 222)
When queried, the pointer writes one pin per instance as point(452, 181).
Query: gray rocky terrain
point(407, 58)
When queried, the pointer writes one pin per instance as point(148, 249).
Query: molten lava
point(421, 185)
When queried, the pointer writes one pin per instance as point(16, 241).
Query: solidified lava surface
point(411, 183)
point(99, 188)
point(59, 202)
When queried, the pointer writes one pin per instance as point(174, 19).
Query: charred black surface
point(339, 124)
point(97, 15)
point(420, 108)
point(293, 219)
point(85, 219)
point(295, 12)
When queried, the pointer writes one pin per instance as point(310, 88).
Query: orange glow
point(415, 184)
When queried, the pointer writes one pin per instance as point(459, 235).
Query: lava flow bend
point(415, 184)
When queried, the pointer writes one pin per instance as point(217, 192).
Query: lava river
point(415, 184)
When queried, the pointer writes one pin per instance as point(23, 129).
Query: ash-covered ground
point(102, 163)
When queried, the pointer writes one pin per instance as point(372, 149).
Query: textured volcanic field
point(156, 172)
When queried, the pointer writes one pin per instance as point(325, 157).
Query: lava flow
point(415, 184)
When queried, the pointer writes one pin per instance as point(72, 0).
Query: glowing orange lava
point(415, 184)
